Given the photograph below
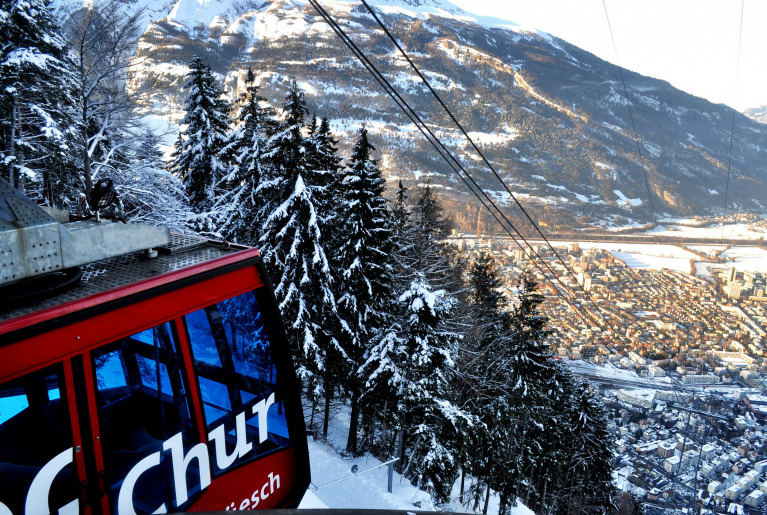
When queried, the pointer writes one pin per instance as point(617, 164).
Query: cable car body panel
point(167, 386)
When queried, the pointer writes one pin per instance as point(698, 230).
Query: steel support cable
point(423, 128)
point(421, 125)
point(476, 148)
point(402, 104)
point(734, 101)
point(631, 116)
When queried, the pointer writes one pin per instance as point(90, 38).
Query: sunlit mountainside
point(551, 117)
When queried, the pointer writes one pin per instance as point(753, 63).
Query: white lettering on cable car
point(39, 491)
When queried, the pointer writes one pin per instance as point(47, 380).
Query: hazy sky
point(693, 44)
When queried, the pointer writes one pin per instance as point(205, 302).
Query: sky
point(693, 44)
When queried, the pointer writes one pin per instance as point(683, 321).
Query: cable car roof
point(119, 277)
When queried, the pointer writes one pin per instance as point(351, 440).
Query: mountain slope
point(551, 117)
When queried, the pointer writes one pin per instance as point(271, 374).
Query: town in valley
point(675, 340)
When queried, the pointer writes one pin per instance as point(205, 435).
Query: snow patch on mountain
point(191, 13)
point(625, 201)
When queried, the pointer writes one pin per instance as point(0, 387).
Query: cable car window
point(145, 423)
point(37, 470)
point(238, 381)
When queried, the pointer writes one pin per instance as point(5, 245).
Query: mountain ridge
point(550, 116)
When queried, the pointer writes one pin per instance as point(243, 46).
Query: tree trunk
point(311, 419)
point(463, 484)
point(86, 154)
point(487, 500)
point(328, 396)
point(351, 443)
point(12, 144)
point(401, 450)
point(385, 429)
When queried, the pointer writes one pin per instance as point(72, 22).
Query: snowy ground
point(683, 228)
point(674, 257)
point(752, 259)
point(643, 255)
point(368, 488)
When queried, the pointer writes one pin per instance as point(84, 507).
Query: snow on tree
point(239, 203)
point(323, 162)
point(206, 120)
point(37, 101)
point(400, 215)
point(429, 228)
point(323, 173)
point(102, 38)
point(413, 367)
point(366, 273)
point(303, 282)
point(487, 452)
point(149, 193)
point(286, 153)
point(587, 486)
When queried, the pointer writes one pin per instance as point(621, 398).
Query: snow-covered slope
point(368, 488)
point(551, 117)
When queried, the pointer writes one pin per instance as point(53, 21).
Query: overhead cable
point(473, 144)
point(734, 101)
point(631, 116)
point(447, 155)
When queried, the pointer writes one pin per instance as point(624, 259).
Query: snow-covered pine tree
point(323, 172)
point(303, 282)
point(429, 228)
point(413, 369)
point(588, 487)
point(400, 215)
point(323, 162)
point(245, 152)
point(198, 164)
point(531, 379)
point(287, 154)
point(37, 102)
point(365, 254)
point(551, 461)
point(483, 390)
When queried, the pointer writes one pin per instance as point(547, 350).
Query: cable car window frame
point(223, 372)
point(144, 434)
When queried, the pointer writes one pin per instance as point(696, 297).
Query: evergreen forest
point(434, 361)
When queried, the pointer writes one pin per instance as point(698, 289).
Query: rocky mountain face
point(552, 118)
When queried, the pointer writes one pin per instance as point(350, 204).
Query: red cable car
point(160, 381)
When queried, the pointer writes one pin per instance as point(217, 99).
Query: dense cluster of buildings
point(652, 320)
point(691, 434)
point(680, 449)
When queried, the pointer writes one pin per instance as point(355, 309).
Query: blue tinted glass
point(233, 361)
point(149, 336)
point(11, 406)
point(278, 424)
point(109, 371)
point(215, 393)
point(148, 368)
point(136, 418)
point(200, 336)
point(35, 428)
